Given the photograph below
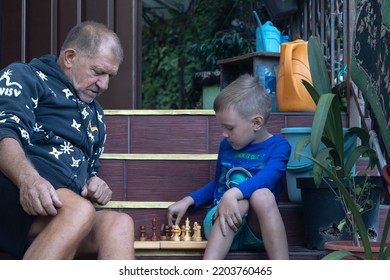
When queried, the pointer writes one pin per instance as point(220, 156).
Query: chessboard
point(185, 236)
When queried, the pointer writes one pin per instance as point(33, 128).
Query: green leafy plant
point(327, 153)
point(223, 45)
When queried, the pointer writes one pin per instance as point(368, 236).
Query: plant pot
point(322, 212)
point(346, 245)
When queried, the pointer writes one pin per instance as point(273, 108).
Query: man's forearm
point(14, 164)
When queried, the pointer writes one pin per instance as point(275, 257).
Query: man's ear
point(69, 56)
point(257, 121)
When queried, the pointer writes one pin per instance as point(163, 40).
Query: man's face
point(90, 76)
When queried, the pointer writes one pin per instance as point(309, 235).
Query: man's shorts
point(244, 238)
point(14, 222)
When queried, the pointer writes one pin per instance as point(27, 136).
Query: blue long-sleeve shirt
point(256, 166)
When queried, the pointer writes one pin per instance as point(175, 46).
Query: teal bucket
point(296, 169)
point(304, 167)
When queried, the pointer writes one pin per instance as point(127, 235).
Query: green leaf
point(341, 224)
point(312, 91)
point(353, 158)
point(319, 74)
point(339, 255)
point(362, 134)
point(323, 157)
point(301, 145)
point(319, 121)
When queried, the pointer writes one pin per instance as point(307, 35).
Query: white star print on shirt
point(75, 163)
point(67, 92)
point(42, 75)
point(85, 113)
point(15, 118)
point(76, 125)
point(35, 101)
point(55, 153)
point(37, 128)
point(100, 117)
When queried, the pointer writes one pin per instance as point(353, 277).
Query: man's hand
point(38, 197)
point(97, 190)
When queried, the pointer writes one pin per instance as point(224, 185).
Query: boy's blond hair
point(247, 96)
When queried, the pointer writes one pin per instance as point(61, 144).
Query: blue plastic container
point(267, 38)
point(304, 167)
point(284, 39)
point(267, 76)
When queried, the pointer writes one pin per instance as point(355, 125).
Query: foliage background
point(181, 38)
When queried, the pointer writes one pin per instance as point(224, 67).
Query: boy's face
point(239, 131)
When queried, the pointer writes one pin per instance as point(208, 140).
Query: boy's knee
point(263, 198)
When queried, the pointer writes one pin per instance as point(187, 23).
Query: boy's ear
point(257, 121)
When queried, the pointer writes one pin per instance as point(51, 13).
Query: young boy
point(248, 180)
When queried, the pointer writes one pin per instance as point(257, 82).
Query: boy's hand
point(228, 211)
point(177, 210)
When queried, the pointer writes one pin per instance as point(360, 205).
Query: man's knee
point(76, 209)
point(116, 221)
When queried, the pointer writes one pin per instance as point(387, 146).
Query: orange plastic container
point(291, 94)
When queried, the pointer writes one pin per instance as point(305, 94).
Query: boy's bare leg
point(218, 245)
point(59, 237)
point(269, 222)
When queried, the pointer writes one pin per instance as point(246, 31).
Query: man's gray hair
point(88, 36)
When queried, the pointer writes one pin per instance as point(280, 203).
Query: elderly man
point(52, 133)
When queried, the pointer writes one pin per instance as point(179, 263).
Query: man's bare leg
point(111, 237)
point(59, 237)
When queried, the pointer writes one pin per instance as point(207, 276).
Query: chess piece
point(167, 231)
point(195, 231)
point(197, 236)
point(175, 233)
point(183, 232)
point(142, 231)
point(187, 231)
point(163, 233)
point(199, 233)
point(154, 229)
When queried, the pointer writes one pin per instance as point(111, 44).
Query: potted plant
point(332, 168)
